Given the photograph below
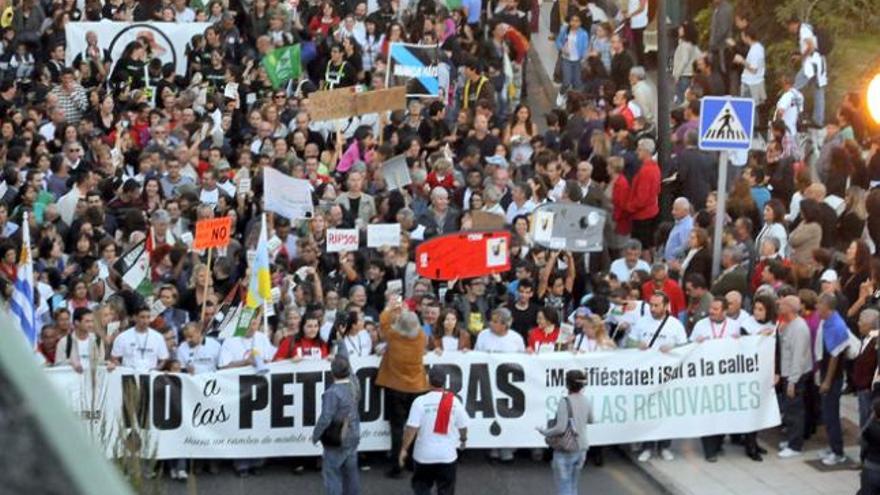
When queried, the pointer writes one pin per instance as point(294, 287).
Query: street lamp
point(874, 98)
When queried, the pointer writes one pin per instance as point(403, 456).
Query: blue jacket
point(582, 41)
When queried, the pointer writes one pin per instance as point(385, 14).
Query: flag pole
point(205, 294)
point(266, 302)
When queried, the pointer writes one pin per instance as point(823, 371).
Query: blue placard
point(726, 123)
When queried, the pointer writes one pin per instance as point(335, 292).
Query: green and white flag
point(134, 266)
point(244, 320)
point(283, 64)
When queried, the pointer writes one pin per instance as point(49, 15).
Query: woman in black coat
point(699, 256)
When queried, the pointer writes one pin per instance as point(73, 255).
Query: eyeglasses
point(280, 97)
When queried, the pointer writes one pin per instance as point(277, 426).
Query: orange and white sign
point(213, 233)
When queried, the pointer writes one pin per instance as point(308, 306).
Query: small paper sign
point(383, 234)
point(244, 185)
point(342, 240)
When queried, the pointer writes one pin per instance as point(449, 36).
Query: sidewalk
point(736, 474)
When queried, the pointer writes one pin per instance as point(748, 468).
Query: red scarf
point(444, 413)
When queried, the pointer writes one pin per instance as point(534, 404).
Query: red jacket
point(644, 195)
point(671, 288)
point(619, 198)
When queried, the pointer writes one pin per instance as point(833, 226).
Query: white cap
point(828, 276)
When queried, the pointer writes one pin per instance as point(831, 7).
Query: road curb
point(546, 85)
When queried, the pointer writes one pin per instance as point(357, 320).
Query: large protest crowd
point(103, 153)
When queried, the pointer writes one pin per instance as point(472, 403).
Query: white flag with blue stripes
point(23, 307)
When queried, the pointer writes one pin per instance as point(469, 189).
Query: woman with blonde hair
point(590, 333)
point(195, 294)
point(851, 223)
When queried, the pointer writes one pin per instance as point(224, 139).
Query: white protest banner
point(383, 234)
point(341, 240)
point(167, 40)
point(719, 386)
point(286, 196)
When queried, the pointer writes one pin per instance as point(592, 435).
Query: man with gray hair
point(623, 267)
point(440, 218)
point(644, 93)
point(795, 366)
point(499, 338)
point(643, 204)
point(677, 242)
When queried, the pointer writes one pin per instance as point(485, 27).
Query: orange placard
point(212, 233)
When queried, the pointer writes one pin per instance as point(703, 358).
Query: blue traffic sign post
point(726, 124)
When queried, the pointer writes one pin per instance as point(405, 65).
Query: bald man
point(677, 242)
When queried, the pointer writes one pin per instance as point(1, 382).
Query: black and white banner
point(719, 386)
point(417, 67)
point(166, 40)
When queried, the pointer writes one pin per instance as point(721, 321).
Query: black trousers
point(397, 405)
point(711, 445)
point(425, 476)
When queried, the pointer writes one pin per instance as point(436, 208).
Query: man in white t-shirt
point(658, 330)
point(498, 337)
point(814, 69)
point(140, 347)
point(438, 424)
point(752, 80)
point(623, 267)
point(81, 347)
point(790, 104)
point(198, 354)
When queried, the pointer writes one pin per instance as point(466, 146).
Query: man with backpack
point(813, 46)
point(82, 348)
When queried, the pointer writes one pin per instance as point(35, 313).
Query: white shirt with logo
point(488, 341)
point(708, 329)
point(204, 358)
point(140, 350)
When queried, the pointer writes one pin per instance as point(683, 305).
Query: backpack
point(824, 40)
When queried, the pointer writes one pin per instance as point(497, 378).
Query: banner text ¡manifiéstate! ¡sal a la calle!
point(719, 386)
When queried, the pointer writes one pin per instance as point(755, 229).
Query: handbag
point(568, 440)
point(333, 434)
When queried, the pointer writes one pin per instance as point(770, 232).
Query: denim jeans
point(870, 479)
point(340, 471)
point(831, 416)
point(681, 86)
point(800, 83)
point(865, 414)
point(571, 75)
point(567, 470)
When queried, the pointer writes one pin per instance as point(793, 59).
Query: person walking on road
point(339, 430)
point(437, 424)
point(573, 413)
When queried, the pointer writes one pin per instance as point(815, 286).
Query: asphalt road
point(475, 476)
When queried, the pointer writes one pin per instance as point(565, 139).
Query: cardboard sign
point(396, 173)
point(381, 100)
point(464, 255)
point(383, 234)
point(212, 233)
point(341, 240)
point(345, 102)
point(244, 185)
point(331, 104)
point(569, 226)
point(483, 220)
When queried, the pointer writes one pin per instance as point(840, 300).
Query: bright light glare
point(874, 98)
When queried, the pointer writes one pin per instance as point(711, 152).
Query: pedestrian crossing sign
point(726, 123)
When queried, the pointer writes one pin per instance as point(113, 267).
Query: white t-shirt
point(640, 20)
point(209, 197)
point(360, 344)
point(791, 103)
point(239, 348)
point(430, 447)
point(623, 272)
point(707, 328)
point(203, 358)
point(488, 341)
point(82, 349)
point(754, 59)
point(672, 334)
point(804, 33)
point(140, 350)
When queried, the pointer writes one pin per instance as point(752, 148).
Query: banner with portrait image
point(719, 386)
point(166, 40)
